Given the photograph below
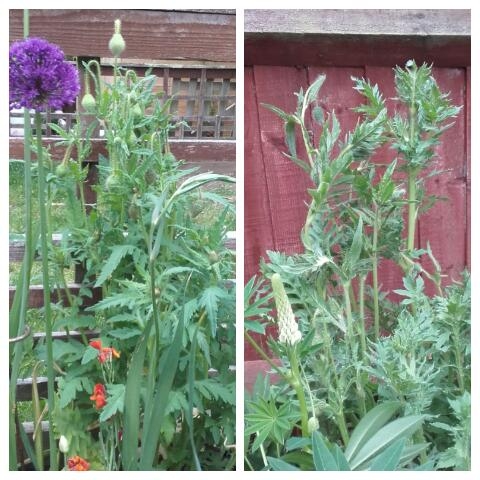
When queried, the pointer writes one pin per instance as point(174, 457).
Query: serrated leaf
point(209, 300)
point(89, 355)
point(68, 390)
point(124, 333)
point(115, 401)
point(118, 253)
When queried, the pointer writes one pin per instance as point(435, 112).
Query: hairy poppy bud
point(89, 103)
point(117, 43)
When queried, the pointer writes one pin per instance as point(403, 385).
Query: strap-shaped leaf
point(376, 418)
point(322, 457)
point(279, 465)
point(389, 458)
point(400, 428)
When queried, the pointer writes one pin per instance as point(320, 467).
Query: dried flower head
point(40, 77)
point(287, 325)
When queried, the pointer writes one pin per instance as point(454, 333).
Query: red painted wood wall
point(275, 188)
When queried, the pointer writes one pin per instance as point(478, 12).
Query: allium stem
point(46, 288)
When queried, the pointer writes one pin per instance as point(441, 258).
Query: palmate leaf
point(210, 388)
point(267, 420)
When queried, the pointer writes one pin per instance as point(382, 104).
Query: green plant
point(342, 365)
point(374, 444)
point(156, 389)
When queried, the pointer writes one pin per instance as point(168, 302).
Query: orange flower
point(98, 396)
point(107, 353)
point(78, 463)
point(104, 353)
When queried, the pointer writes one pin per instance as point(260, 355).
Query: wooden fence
point(286, 50)
point(196, 69)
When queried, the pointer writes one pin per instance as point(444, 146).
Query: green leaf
point(68, 390)
point(283, 115)
point(252, 326)
point(124, 333)
point(210, 301)
point(294, 443)
point(290, 138)
point(118, 253)
point(133, 385)
point(317, 115)
point(340, 458)
point(279, 465)
point(369, 425)
point(155, 407)
point(89, 355)
point(403, 427)
point(389, 458)
point(115, 401)
point(312, 91)
point(322, 457)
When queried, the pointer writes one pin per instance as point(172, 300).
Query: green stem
point(46, 289)
point(259, 350)
point(412, 208)
point(342, 426)
point(361, 299)
point(458, 362)
point(376, 308)
point(348, 311)
point(296, 383)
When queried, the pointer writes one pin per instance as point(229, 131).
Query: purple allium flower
point(40, 77)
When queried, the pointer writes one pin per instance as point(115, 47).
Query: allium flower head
point(40, 77)
point(287, 325)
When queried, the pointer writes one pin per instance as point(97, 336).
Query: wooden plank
point(35, 299)
point(254, 368)
point(258, 223)
point(354, 50)
point(188, 150)
point(175, 35)
point(468, 126)
point(408, 22)
point(286, 186)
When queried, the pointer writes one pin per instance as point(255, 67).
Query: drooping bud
point(287, 325)
point(117, 43)
point(89, 103)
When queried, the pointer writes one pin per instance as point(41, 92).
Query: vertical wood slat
point(201, 101)
point(468, 167)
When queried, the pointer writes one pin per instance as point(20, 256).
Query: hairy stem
point(296, 383)
point(412, 208)
point(361, 323)
point(376, 308)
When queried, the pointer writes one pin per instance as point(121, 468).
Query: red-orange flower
point(104, 353)
point(96, 344)
point(107, 353)
point(78, 463)
point(98, 396)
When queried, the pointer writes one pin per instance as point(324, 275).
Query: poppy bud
point(117, 43)
point(88, 103)
point(63, 444)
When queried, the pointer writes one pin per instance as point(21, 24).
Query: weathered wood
point(175, 35)
point(405, 22)
point(188, 150)
point(35, 298)
point(254, 368)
